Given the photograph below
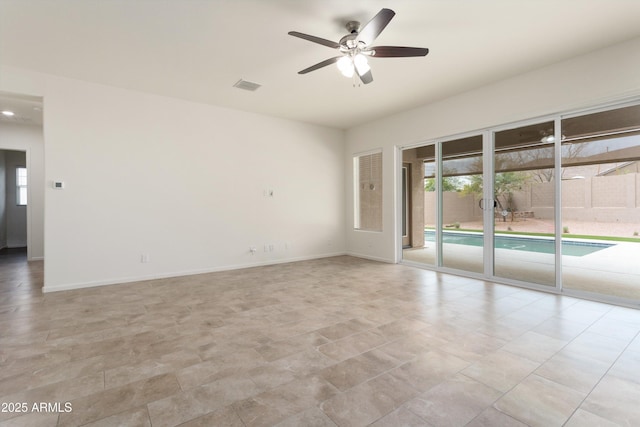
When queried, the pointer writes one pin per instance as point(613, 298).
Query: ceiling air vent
point(243, 84)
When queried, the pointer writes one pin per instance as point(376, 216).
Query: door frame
point(26, 151)
point(406, 205)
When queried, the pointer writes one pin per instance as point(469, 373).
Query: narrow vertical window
point(367, 170)
point(21, 184)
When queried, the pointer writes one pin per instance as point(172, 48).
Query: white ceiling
point(197, 49)
point(27, 109)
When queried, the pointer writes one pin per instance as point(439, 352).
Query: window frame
point(357, 205)
point(22, 184)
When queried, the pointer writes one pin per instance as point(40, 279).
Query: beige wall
point(613, 198)
point(150, 175)
point(457, 208)
point(609, 192)
point(603, 199)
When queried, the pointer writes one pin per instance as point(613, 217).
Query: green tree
point(449, 183)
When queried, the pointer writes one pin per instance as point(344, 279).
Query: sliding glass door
point(601, 203)
point(553, 203)
point(498, 183)
point(524, 198)
point(461, 226)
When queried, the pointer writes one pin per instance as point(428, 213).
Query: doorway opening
point(13, 199)
point(22, 174)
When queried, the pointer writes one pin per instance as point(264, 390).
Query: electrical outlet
point(253, 250)
point(144, 258)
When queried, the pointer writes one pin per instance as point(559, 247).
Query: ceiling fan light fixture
point(548, 139)
point(345, 65)
point(361, 63)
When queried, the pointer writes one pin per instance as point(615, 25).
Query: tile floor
point(331, 342)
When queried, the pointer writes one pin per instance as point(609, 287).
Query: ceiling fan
point(355, 47)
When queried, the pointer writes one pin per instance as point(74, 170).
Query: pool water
point(531, 244)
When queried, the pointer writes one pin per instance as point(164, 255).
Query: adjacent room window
point(21, 184)
point(367, 178)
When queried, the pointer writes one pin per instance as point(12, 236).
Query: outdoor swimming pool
point(531, 244)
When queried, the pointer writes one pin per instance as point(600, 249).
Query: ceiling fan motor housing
point(353, 27)
point(348, 42)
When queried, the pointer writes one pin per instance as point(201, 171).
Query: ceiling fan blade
point(398, 51)
point(369, 32)
point(315, 39)
point(320, 65)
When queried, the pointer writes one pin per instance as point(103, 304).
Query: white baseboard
point(122, 280)
point(372, 258)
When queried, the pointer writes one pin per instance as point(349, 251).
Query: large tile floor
point(331, 342)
